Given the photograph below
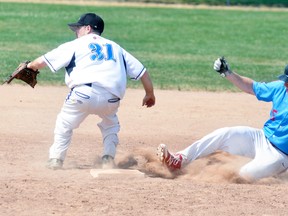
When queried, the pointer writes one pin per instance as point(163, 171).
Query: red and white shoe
point(172, 161)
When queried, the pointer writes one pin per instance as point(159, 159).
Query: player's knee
point(246, 175)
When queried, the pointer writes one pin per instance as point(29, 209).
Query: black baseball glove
point(221, 66)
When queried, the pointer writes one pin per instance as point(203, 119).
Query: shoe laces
point(174, 161)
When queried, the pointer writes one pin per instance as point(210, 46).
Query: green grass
point(178, 46)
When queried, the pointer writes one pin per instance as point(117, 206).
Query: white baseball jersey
point(94, 59)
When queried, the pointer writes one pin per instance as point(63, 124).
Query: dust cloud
point(219, 167)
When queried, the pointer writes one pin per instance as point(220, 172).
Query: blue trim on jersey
point(71, 65)
point(276, 128)
point(136, 78)
point(125, 65)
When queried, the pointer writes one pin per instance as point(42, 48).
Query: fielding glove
point(25, 74)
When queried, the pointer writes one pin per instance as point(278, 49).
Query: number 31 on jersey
point(101, 52)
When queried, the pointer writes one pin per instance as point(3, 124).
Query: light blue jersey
point(276, 128)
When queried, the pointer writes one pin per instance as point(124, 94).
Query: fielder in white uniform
point(268, 147)
point(96, 72)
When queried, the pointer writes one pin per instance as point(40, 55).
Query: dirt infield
point(208, 187)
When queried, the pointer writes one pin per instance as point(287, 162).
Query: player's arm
point(37, 64)
point(243, 83)
point(149, 99)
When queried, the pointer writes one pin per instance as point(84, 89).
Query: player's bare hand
point(149, 100)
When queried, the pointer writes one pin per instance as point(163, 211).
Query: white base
point(116, 173)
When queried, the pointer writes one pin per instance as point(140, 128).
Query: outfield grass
point(178, 46)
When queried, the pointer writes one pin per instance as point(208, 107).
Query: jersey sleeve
point(134, 68)
point(265, 91)
point(59, 57)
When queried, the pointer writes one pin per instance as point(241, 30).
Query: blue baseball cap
point(284, 77)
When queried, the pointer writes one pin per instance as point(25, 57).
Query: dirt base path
point(208, 187)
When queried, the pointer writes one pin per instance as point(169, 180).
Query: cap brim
point(74, 26)
point(283, 77)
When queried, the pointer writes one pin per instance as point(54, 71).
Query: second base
point(116, 173)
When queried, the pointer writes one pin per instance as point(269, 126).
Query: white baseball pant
point(80, 102)
point(244, 141)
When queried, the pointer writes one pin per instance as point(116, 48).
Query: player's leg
point(235, 140)
point(109, 127)
point(268, 161)
point(73, 112)
point(106, 107)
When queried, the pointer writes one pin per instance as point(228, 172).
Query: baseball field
point(209, 186)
